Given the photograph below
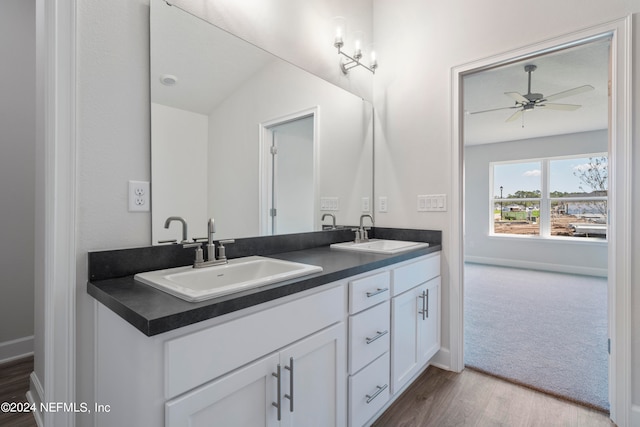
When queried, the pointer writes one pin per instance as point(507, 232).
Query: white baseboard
point(543, 266)
point(34, 396)
point(442, 359)
point(16, 349)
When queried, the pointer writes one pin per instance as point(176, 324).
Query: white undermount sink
point(198, 284)
point(379, 246)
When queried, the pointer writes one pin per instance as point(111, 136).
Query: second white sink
point(376, 246)
point(198, 284)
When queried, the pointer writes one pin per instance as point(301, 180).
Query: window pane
point(579, 218)
point(581, 177)
point(517, 181)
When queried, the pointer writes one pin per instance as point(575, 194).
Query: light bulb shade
point(339, 25)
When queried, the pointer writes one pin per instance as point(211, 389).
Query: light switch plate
point(432, 203)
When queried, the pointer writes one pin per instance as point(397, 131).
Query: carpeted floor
point(541, 329)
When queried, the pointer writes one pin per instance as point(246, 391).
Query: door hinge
point(609, 345)
point(274, 150)
point(273, 211)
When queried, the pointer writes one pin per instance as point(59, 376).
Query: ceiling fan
point(529, 101)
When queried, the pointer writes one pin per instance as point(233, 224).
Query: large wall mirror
point(247, 138)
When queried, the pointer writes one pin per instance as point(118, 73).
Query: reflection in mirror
point(247, 138)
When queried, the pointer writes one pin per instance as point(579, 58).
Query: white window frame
point(544, 201)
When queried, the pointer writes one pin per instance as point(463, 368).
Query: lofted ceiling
point(556, 72)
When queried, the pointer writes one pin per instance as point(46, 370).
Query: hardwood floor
point(14, 384)
point(441, 398)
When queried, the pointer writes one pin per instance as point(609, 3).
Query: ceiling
point(556, 72)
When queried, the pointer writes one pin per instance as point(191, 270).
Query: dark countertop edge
point(206, 310)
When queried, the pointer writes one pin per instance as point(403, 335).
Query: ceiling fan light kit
point(530, 101)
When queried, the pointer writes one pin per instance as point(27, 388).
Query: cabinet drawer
point(368, 391)
point(199, 357)
point(368, 291)
point(369, 336)
point(411, 275)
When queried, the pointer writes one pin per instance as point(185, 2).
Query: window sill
point(559, 239)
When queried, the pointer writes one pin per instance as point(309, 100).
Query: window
point(554, 197)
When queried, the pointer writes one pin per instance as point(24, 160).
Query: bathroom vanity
point(333, 348)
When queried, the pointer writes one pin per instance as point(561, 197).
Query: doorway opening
point(560, 110)
point(288, 176)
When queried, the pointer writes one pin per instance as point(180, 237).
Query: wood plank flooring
point(441, 398)
point(14, 384)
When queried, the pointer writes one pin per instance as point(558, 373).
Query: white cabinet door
point(312, 389)
point(242, 398)
point(416, 331)
point(404, 337)
point(314, 380)
point(429, 320)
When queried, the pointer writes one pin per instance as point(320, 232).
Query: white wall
point(558, 255)
point(17, 175)
point(179, 158)
point(425, 40)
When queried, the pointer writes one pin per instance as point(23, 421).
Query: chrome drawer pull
point(278, 404)
point(374, 395)
point(290, 396)
point(377, 292)
point(379, 335)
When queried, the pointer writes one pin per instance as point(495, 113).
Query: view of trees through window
point(551, 197)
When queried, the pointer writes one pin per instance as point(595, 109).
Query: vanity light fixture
point(352, 61)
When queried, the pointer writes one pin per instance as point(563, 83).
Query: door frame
point(620, 201)
point(264, 164)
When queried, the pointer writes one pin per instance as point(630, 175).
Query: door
point(314, 380)
point(290, 179)
point(242, 398)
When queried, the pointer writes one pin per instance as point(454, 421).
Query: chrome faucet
point(211, 249)
point(333, 219)
point(184, 226)
point(361, 233)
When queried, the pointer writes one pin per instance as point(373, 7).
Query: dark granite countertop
point(153, 312)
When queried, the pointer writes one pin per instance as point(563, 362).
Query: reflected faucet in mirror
point(184, 229)
point(333, 220)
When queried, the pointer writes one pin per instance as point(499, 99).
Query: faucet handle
point(160, 242)
point(199, 253)
point(222, 256)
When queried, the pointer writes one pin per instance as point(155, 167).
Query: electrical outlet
point(382, 204)
point(139, 196)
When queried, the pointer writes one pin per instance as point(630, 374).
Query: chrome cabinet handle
point(425, 298)
point(376, 292)
point(374, 395)
point(278, 403)
point(290, 395)
point(426, 303)
point(378, 335)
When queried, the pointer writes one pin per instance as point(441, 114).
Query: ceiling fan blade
point(515, 116)
point(493, 109)
point(563, 107)
point(517, 97)
point(570, 92)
